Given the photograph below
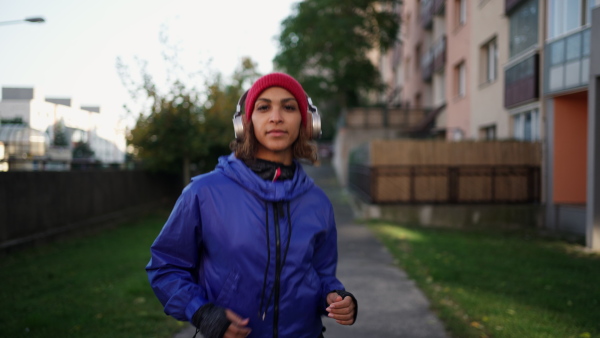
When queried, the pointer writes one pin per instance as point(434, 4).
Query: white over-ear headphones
point(313, 119)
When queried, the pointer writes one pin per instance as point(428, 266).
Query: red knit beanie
point(277, 80)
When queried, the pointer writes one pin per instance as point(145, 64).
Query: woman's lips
point(276, 132)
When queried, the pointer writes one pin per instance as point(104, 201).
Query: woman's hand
point(237, 328)
point(342, 310)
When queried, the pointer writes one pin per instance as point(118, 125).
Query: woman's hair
point(246, 148)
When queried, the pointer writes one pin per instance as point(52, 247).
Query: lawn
point(94, 286)
point(500, 284)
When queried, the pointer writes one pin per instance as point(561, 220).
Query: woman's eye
point(290, 108)
point(262, 107)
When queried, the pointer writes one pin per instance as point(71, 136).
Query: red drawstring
point(277, 174)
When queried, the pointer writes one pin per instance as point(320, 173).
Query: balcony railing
point(439, 55)
point(439, 7)
point(427, 66)
point(567, 65)
point(509, 5)
point(427, 14)
point(521, 82)
point(378, 117)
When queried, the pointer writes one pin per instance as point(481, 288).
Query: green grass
point(94, 286)
point(500, 284)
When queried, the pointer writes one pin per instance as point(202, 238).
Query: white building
point(104, 134)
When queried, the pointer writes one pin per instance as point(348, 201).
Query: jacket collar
point(268, 190)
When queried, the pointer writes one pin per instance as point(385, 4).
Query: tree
point(82, 150)
point(182, 128)
point(169, 138)
point(325, 45)
point(60, 137)
point(221, 104)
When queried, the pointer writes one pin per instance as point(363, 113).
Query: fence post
point(493, 187)
point(373, 175)
point(531, 183)
point(452, 184)
point(411, 180)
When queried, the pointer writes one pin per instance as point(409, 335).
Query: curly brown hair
point(245, 149)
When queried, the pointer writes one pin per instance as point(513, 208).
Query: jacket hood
point(276, 191)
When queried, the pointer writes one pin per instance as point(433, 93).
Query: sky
point(73, 54)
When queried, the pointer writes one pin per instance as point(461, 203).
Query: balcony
point(509, 5)
point(402, 119)
point(427, 14)
point(522, 81)
point(439, 55)
point(439, 7)
point(427, 66)
point(567, 65)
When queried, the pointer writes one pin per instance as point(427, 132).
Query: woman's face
point(277, 120)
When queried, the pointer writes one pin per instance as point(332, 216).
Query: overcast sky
point(73, 54)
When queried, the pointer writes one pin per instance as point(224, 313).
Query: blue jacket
point(266, 250)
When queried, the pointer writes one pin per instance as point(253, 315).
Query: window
point(524, 27)
point(489, 53)
point(526, 125)
point(461, 12)
point(565, 16)
point(488, 133)
point(461, 80)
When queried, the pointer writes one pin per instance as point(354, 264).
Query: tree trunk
point(186, 170)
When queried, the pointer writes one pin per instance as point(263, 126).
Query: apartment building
point(105, 136)
point(514, 69)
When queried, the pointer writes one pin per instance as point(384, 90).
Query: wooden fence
point(447, 172)
point(36, 204)
point(447, 184)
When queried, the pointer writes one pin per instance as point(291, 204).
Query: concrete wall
point(454, 216)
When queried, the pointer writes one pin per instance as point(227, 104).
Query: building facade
point(104, 135)
point(512, 69)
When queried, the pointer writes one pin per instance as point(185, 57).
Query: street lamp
point(34, 20)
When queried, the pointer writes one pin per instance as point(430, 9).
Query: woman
point(250, 249)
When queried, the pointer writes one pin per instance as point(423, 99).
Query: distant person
point(250, 249)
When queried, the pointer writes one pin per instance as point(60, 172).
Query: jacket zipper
point(277, 270)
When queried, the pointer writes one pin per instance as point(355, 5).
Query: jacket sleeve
point(174, 263)
point(325, 260)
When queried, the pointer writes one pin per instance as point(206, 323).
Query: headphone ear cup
point(238, 126)
point(313, 124)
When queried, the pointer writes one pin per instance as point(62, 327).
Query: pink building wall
point(458, 35)
point(412, 36)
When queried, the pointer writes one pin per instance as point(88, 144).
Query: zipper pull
point(264, 313)
point(277, 174)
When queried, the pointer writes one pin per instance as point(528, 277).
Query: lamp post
point(33, 20)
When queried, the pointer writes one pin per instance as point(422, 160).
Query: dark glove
point(211, 321)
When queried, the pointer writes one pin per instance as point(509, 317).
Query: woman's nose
point(276, 115)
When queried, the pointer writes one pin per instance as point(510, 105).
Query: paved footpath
point(390, 304)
